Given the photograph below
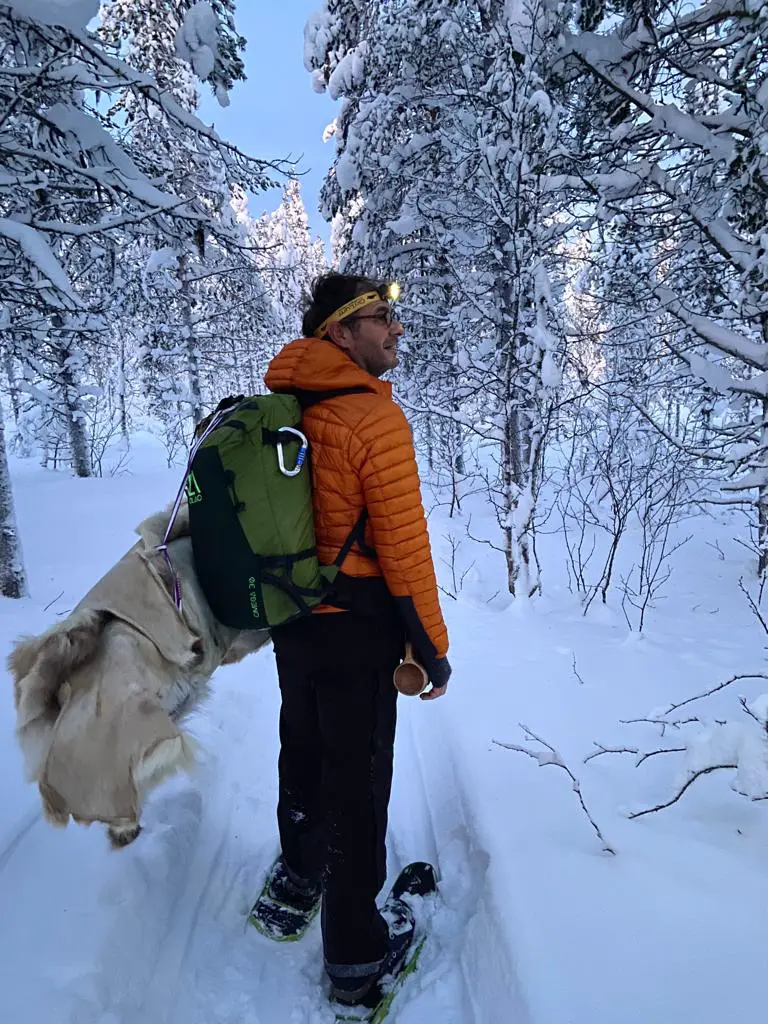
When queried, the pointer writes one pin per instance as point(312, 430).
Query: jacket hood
point(309, 364)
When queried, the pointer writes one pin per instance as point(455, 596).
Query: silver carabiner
point(299, 458)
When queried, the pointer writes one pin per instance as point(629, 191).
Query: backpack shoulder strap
point(307, 399)
point(225, 405)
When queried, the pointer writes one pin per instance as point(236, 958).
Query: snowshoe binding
point(286, 906)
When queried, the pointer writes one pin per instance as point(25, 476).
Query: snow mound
point(197, 40)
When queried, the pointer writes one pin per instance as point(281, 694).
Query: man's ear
point(340, 335)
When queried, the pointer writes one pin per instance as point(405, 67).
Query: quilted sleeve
point(382, 452)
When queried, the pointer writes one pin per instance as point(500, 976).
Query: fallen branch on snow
point(689, 782)
point(554, 758)
point(715, 689)
point(665, 723)
point(641, 755)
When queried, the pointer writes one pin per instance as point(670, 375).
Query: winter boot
point(287, 904)
point(364, 990)
point(370, 999)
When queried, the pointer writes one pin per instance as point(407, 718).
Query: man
point(337, 720)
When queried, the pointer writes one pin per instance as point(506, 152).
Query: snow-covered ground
point(537, 922)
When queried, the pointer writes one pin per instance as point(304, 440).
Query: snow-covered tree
point(291, 260)
point(73, 190)
point(385, 194)
point(675, 123)
point(179, 42)
point(448, 134)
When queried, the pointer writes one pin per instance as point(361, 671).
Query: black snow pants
point(337, 731)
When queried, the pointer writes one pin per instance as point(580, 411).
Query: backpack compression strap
point(356, 536)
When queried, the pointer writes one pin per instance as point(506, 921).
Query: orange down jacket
point(362, 457)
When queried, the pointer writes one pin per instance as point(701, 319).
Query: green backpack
point(248, 488)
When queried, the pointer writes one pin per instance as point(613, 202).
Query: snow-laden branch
point(728, 341)
point(39, 253)
point(718, 745)
point(664, 117)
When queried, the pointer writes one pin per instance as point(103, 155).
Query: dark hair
point(329, 293)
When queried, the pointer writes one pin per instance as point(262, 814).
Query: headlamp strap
point(346, 310)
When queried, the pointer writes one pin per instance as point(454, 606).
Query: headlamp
point(388, 292)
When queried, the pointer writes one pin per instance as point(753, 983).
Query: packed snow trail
point(17, 834)
point(179, 949)
point(170, 943)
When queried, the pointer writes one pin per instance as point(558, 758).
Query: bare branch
point(609, 750)
point(641, 756)
point(554, 758)
point(716, 689)
point(663, 722)
point(661, 750)
point(53, 601)
point(688, 783)
point(753, 605)
point(573, 664)
point(748, 710)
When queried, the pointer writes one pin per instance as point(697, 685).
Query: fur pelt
point(99, 696)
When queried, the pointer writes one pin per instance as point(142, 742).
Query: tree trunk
point(72, 407)
point(459, 464)
point(190, 342)
point(508, 492)
point(429, 441)
point(121, 404)
point(13, 386)
point(12, 579)
point(762, 504)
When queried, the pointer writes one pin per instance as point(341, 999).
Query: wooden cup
point(410, 678)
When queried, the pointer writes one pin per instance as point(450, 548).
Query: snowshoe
point(286, 906)
point(372, 1003)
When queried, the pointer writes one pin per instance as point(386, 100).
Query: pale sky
point(276, 113)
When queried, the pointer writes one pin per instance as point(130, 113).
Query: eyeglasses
point(386, 317)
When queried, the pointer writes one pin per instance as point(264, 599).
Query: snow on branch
point(549, 755)
point(41, 256)
point(197, 39)
point(719, 744)
point(597, 54)
point(728, 341)
point(70, 170)
point(117, 75)
point(630, 37)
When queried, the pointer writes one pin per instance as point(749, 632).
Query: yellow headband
point(346, 310)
